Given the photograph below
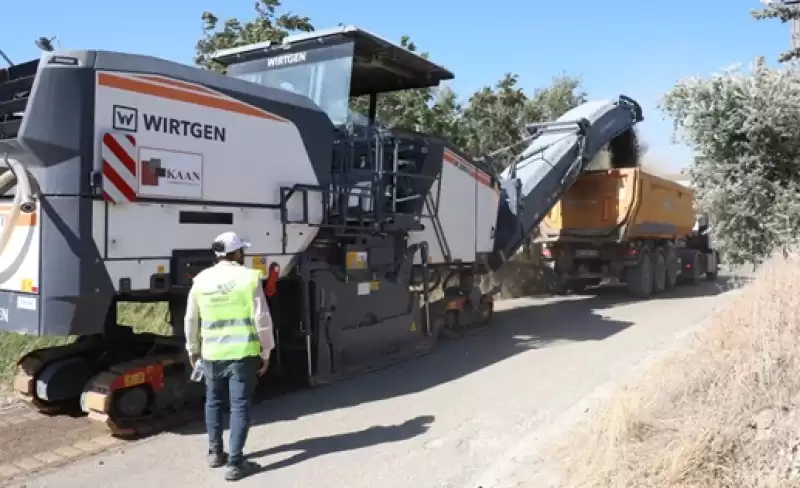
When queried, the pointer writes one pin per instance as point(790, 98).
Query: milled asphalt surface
point(444, 420)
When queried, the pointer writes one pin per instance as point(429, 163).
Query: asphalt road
point(441, 421)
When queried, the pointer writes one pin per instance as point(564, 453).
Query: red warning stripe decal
point(469, 168)
point(119, 168)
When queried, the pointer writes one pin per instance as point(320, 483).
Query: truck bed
point(618, 205)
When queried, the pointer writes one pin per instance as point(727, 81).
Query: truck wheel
point(577, 286)
point(561, 290)
point(640, 277)
point(451, 320)
point(712, 275)
point(486, 309)
point(697, 268)
point(659, 272)
point(672, 267)
point(553, 282)
point(557, 287)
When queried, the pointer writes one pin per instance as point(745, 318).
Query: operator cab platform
point(332, 66)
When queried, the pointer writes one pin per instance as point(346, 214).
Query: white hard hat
point(227, 242)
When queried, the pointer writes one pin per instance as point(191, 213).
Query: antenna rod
point(7, 60)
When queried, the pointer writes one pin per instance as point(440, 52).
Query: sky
point(635, 48)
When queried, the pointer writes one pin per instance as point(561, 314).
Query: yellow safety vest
point(224, 296)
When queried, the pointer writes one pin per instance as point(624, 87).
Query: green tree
point(746, 170)
point(268, 25)
point(786, 11)
point(495, 116)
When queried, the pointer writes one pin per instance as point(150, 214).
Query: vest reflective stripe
point(207, 324)
point(224, 296)
point(230, 335)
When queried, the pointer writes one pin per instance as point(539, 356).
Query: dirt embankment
point(723, 412)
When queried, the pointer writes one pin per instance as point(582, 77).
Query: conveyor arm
point(548, 167)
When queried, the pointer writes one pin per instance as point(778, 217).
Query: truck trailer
point(626, 225)
point(119, 169)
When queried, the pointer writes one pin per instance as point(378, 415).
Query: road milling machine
point(119, 169)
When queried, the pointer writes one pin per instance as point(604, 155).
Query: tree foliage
point(785, 12)
point(268, 25)
point(746, 171)
point(495, 116)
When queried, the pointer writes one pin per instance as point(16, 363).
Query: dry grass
point(724, 412)
point(13, 346)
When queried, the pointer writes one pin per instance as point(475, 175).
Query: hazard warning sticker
point(119, 168)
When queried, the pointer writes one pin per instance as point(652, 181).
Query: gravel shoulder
point(527, 464)
point(450, 419)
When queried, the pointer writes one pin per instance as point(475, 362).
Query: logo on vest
point(227, 287)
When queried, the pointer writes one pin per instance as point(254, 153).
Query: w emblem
point(125, 118)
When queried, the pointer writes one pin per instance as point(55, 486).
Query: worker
point(232, 337)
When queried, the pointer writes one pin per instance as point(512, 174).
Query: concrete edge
point(31, 466)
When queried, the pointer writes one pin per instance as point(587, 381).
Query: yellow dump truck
point(626, 225)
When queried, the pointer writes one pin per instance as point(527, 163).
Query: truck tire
point(672, 267)
point(698, 262)
point(694, 274)
point(712, 275)
point(577, 286)
point(639, 278)
point(659, 272)
point(552, 282)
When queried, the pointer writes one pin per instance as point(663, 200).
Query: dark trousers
point(234, 381)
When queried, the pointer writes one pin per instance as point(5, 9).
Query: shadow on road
point(533, 324)
point(350, 441)
point(619, 295)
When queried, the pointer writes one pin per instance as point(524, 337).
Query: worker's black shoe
point(246, 468)
point(217, 459)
